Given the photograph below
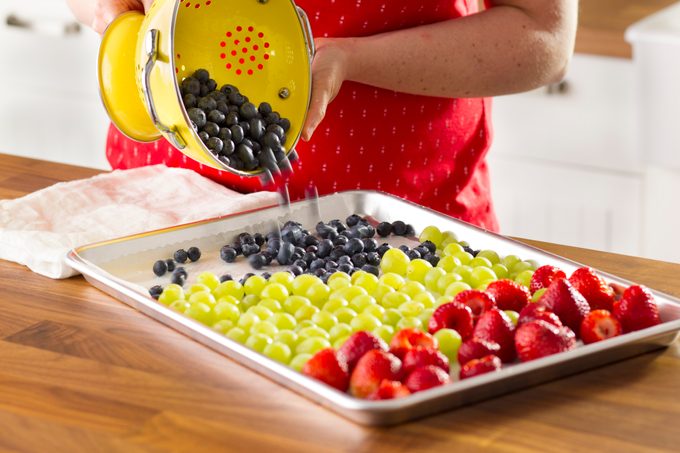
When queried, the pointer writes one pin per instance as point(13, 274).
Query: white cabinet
point(50, 107)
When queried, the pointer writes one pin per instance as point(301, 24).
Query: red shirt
point(425, 149)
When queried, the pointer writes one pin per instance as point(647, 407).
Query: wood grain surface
point(80, 371)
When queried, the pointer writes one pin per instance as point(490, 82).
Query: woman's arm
point(513, 46)
point(98, 14)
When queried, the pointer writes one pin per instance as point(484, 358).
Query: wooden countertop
point(602, 24)
point(80, 371)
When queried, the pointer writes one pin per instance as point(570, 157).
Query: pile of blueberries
point(336, 247)
point(179, 274)
point(239, 134)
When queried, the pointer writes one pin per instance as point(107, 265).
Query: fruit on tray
point(438, 304)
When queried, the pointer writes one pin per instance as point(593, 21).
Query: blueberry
point(257, 128)
point(219, 97)
point(215, 145)
point(302, 264)
point(228, 89)
point(433, 260)
point(345, 259)
point(317, 264)
point(370, 245)
point(399, 228)
point(271, 140)
point(212, 129)
point(276, 130)
point(308, 257)
point(279, 153)
point(207, 104)
point(201, 75)
point(223, 107)
point(250, 249)
point(383, 248)
point(189, 101)
point(413, 254)
point(225, 134)
point(366, 231)
point(296, 270)
point(338, 225)
point(237, 134)
point(321, 273)
point(257, 261)
point(330, 264)
point(197, 116)
point(226, 278)
point(181, 271)
point(422, 250)
point(410, 231)
point(236, 99)
point(204, 136)
point(269, 256)
point(265, 109)
point(429, 245)
point(228, 148)
point(170, 263)
point(194, 254)
point(272, 118)
point(192, 86)
point(298, 253)
point(285, 255)
point(373, 259)
point(231, 119)
point(248, 111)
point(404, 248)
point(211, 84)
point(178, 279)
point(245, 125)
point(340, 240)
point(371, 269)
point(354, 246)
point(337, 253)
point(266, 275)
point(359, 259)
point(246, 277)
point(259, 239)
point(216, 116)
point(155, 291)
point(325, 231)
point(245, 238)
point(324, 249)
point(345, 267)
point(292, 233)
point(204, 90)
point(274, 245)
point(352, 220)
point(233, 109)
point(180, 256)
point(285, 124)
point(228, 254)
point(236, 163)
point(311, 240)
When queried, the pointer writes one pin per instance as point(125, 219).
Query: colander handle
point(307, 28)
point(151, 48)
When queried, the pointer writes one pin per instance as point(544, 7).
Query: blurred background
point(593, 161)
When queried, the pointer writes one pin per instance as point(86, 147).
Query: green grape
point(410, 323)
point(391, 316)
point(226, 311)
point(385, 332)
point(247, 320)
point(452, 249)
point(283, 321)
point(396, 281)
point(483, 285)
point(171, 293)
point(223, 326)
point(197, 288)
point(285, 278)
point(480, 261)
point(293, 303)
point(446, 280)
point(489, 255)
point(359, 303)
point(258, 342)
point(465, 272)
point(179, 305)
point(262, 312)
point(254, 285)
point(454, 288)
point(520, 267)
point(365, 321)
point(305, 312)
point(229, 299)
point(271, 304)
point(513, 315)
point(500, 270)
point(279, 352)
point(395, 299)
point(431, 234)
point(229, 288)
point(449, 342)
point(288, 337)
point(340, 330)
point(356, 275)
point(249, 301)
point(238, 335)
point(413, 289)
point(510, 260)
point(375, 310)
point(298, 362)
point(448, 263)
point(345, 314)
point(334, 304)
point(481, 275)
point(200, 312)
point(349, 293)
point(464, 257)
point(264, 327)
point(464, 243)
point(339, 276)
point(325, 320)
point(208, 279)
point(367, 281)
point(311, 332)
point(337, 344)
point(338, 283)
point(394, 260)
point(304, 324)
point(442, 300)
point(425, 298)
point(524, 278)
point(448, 237)
point(411, 308)
point(312, 345)
point(432, 277)
point(274, 291)
point(534, 264)
point(381, 291)
point(203, 297)
point(302, 282)
point(537, 295)
point(425, 316)
point(318, 294)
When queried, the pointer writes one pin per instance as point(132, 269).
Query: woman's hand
point(98, 14)
point(329, 70)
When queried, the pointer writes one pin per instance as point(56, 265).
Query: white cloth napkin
point(39, 229)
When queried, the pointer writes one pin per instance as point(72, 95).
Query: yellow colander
point(263, 47)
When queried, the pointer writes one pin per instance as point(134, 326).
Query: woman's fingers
point(317, 107)
point(107, 10)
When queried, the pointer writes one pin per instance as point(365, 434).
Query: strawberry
point(637, 309)
point(599, 325)
point(544, 276)
point(426, 377)
point(389, 390)
point(476, 348)
point(509, 295)
point(496, 326)
point(599, 295)
point(534, 312)
point(452, 315)
point(410, 338)
point(478, 301)
point(537, 339)
point(328, 367)
point(358, 344)
point(568, 304)
point(370, 371)
point(475, 367)
point(419, 357)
